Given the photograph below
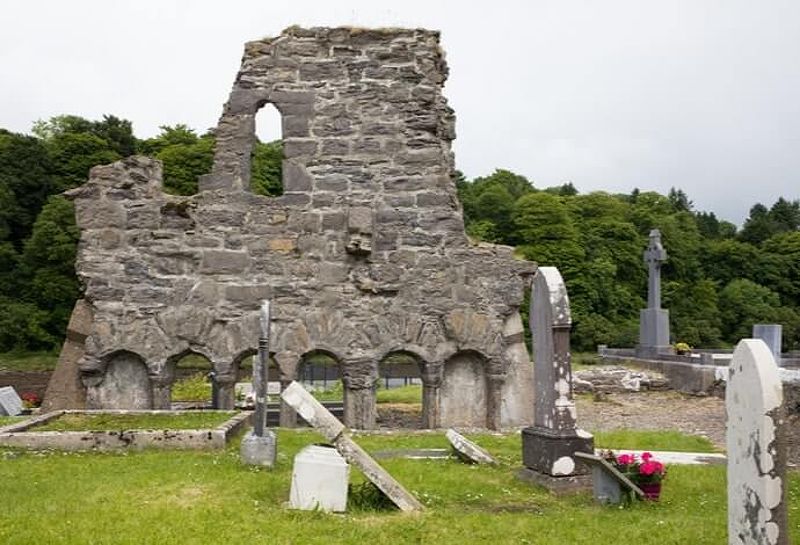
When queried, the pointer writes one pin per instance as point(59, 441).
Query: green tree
point(266, 169)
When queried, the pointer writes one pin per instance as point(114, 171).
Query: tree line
point(718, 281)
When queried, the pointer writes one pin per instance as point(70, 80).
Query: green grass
point(404, 394)
point(6, 420)
point(28, 361)
point(193, 388)
point(183, 497)
point(670, 440)
point(177, 421)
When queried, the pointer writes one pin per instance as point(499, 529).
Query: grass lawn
point(181, 421)
point(6, 420)
point(404, 394)
point(28, 361)
point(184, 497)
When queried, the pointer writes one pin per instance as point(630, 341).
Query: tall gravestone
point(549, 446)
point(654, 320)
point(756, 451)
point(772, 334)
point(259, 446)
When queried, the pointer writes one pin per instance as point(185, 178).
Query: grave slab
point(313, 412)
point(467, 450)
point(319, 480)
point(10, 402)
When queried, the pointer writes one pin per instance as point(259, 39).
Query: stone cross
point(654, 320)
point(548, 447)
point(654, 256)
point(756, 450)
point(260, 372)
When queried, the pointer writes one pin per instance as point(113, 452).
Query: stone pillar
point(548, 447)
point(359, 407)
point(360, 380)
point(161, 386)
point(431, 392)
point(654, 320)
point(494, 392)
point(757, 483)
point(287, 417)
point(772, 335)
point(226, 391)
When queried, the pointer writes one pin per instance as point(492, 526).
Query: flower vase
point(652, 491)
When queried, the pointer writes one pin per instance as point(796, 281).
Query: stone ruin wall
point(363, 255)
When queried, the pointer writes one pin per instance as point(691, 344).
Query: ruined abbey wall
point(363, 255)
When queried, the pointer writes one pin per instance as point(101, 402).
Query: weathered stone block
point(224, 262)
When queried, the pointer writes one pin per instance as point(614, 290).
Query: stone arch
point(170, 374)
point(409, 364)
point(125, 384)
point(464, 396)
point(319, 374)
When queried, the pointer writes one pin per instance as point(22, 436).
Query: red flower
point(646, 456)
point(647, 468)
point(626, 459)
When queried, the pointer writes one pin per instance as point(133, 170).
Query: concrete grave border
point(21, 434)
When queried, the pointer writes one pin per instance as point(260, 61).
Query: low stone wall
point(22, 435)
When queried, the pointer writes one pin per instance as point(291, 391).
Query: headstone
point(334, 431)
point(772, 334)
point(319, 480)
point(609, 486)
point(10, 402)
point(756, 449)
point(654, 320)
point(548, 447)
point(259, 446)
point(468, 451)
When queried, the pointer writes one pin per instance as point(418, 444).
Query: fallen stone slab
point(468, 451)
point(414, 454)
point(679, 458)
point(317, 416)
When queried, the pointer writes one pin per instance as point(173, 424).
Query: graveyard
point(363, 263)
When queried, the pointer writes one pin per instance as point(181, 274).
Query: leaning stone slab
point(65, 389)
point(334, 431)
point(10, 402)
point(756, 451)
point(468, 451)
point(608, 484)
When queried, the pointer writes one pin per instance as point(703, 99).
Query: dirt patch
point(26, 381)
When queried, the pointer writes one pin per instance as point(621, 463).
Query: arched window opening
point(267, 155)
point(320, 373)
point(192, 386)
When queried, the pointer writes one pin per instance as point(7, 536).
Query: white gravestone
point(756, 455)
point(10, 402)
point(319, 480)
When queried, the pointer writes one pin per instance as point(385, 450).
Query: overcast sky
point(611, 95)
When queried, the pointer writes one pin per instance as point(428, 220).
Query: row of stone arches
point(456, 392)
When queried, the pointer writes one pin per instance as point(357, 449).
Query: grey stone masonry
point(756, 448)
point(654, 320)
point(363, 256)
point(549, 446)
